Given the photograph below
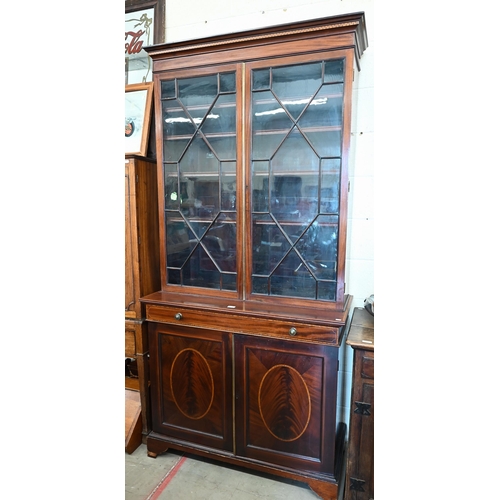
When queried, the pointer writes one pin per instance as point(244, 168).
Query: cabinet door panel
point(191, 385)
point(285, 402)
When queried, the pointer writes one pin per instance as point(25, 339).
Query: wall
point(218, 17)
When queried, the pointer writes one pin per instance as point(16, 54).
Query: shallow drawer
point(242, 323)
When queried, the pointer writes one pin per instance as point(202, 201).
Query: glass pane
point(229, 281)
point(334, 71)
point(322, 121)
point(286, 197)
point(172, 195)
point(174, 276)
point(178, 128)
point(199, 228)
point(180, 240)
point(308, 202)
point(261, 79)
point(228, 82)
point(318, 247)
point(198, 95)
point(296, 85)
point(270, 125)
point(201, 270)
point(174, 148)
point(270, 245)
point(199, 158)
point(327, 290)
point(260, 185)
point(260, 284)
point(168, 89)
point(228, 186)
point(204, 201)
point(293, 279)
point(219, 127)
point(220, 243)
point(295, 155)
point(330, 186)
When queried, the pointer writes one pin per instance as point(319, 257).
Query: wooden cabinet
point(142, 272)
point(252, 141)
point(360, 459)
point(250, 388)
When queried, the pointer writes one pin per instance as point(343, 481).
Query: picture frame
point(158, 14)
point(144, 27)
point(138, 108)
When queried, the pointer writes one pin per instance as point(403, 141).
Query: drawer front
point(241, 323)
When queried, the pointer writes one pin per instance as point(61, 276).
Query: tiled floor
point(174, 475)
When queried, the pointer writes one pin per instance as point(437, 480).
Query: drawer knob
point(178, 316)
point(293, 331)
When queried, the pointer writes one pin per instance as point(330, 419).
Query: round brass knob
point(178, 316)
point(293, 331)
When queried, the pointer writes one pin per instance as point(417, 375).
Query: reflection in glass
point(296, 164)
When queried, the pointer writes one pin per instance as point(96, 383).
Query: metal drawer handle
point(293, 331)
point(178, 316)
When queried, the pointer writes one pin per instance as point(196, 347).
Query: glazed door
point(191, 385)
point(199, 151)
point(285, 402)
point(298, 181)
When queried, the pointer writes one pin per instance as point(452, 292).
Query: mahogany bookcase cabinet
point(252, 140)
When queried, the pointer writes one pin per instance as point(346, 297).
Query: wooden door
point(191, 385)
point(286, 402)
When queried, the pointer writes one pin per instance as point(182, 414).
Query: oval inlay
point(192, 384)
point(284, 403)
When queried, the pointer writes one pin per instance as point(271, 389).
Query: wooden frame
point(138, 100)
point(159, 15)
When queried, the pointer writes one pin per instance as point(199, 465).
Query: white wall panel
point(195, 18)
